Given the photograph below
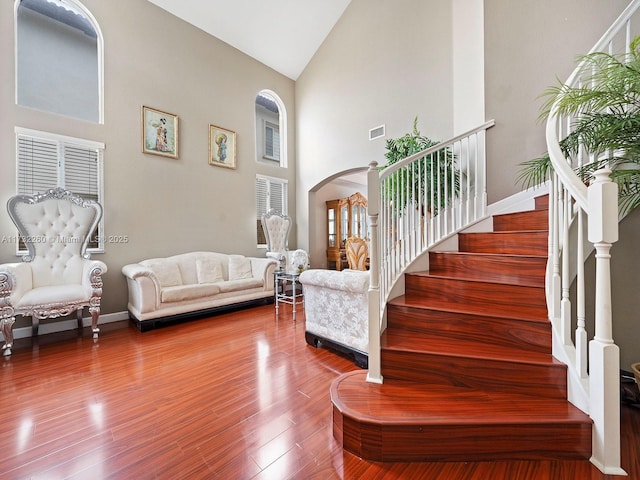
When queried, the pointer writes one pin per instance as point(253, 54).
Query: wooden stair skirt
point(466, 360)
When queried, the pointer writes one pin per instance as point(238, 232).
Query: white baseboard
point(64, 325)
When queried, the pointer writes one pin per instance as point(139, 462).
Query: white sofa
point(193, 283)
point(336, 310)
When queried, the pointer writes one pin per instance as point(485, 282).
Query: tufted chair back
point(357, 253)
point(276, 230)
point(56, 228)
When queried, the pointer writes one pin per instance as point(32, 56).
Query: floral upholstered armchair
point(56, 276)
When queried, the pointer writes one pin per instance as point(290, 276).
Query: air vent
point(376, 132)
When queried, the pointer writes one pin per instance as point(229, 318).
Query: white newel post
point(604, 355)
point(374, 374)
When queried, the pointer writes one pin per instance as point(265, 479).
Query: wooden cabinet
point(346, 217)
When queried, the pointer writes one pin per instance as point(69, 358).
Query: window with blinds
point(271, 129)
point(271, 193)
point(271, 141)
point(47, 161)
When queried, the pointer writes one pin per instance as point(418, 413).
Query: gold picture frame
point(159, 132)
point(222, 147)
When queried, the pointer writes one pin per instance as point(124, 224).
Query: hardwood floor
point(237, 396)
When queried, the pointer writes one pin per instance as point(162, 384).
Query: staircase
point(466, 360)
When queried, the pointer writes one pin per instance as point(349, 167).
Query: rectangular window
point(271, 141)
point(271, 193)
point(45, 160)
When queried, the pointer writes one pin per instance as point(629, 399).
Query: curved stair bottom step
point(404, 421)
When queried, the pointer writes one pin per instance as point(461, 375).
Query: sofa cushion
point(209, 270)
point(239, 267)
point(168, 273)
point(180, 293)
point(237, 285)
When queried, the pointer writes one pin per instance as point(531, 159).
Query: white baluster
point(604, 355)
point(374, 374)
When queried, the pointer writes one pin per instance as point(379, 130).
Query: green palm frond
point(606, 109)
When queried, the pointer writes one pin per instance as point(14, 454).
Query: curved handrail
point(562, 168)
point(389, 169)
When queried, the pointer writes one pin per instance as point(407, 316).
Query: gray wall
point(384, 62)
point(529, 46)
point(164, 206)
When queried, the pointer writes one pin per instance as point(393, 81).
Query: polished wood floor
point(236, 396)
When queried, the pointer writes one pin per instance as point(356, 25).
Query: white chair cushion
point(54, 295)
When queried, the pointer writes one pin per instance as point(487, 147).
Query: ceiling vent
point(376, 132)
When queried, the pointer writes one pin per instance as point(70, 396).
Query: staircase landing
point(408, 421)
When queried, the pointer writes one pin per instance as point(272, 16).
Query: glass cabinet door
point(355, 223)
point(364, 233)
point(344, 213)
point(331, 226)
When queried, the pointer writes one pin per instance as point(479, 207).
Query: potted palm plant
point(405, 185)
point(607, 108)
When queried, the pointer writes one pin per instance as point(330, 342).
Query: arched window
point(59, 58)
point(271, 130)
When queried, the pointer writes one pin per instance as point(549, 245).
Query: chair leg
point(35, 326)
point(79, 318)
point(6, 325)
point(95, 314)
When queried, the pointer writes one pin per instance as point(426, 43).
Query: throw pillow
point(168, 273)
point(209, 270)
point(239, 267)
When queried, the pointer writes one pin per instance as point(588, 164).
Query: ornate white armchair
point(276, 230)
point(56, 276)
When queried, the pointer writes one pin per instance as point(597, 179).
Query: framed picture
point(159, 132)
point(222, 147)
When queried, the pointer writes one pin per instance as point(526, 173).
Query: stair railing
point(593, 375)
point(412, 205)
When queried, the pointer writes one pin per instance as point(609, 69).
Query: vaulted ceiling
point(282, 34)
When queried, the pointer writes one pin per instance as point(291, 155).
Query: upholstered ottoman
point(336, 310)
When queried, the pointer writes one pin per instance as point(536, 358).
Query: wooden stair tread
point(408, 341)
point(471, 277)
point(403, 301)
point(527, 242)
point(518, 312)
point(402, 402)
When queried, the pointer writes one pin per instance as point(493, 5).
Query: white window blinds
point(46, 160)
point(37, 165)
point(271, 193)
